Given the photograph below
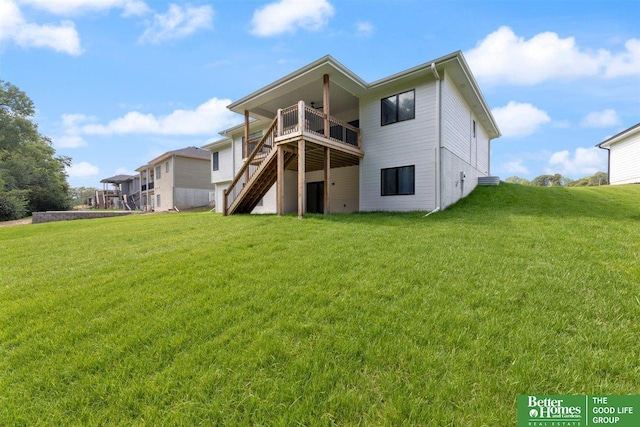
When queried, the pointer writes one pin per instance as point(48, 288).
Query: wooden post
point(225, 208)
point(246, 142)
point(280, 181)
point(279, 126)
point(302, 184)
point(302, 126)
point(327, 179)
point(326, 107)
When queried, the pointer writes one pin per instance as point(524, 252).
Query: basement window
point(400, 181)
point(398, 108)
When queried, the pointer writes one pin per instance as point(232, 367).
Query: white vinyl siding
point(411, 142)
point(343, 194)
point(461, 151)
point(225, 165)
point(625, 160)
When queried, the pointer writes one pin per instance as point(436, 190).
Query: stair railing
point(251, 164)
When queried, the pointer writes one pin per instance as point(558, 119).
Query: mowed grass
point(364, 319)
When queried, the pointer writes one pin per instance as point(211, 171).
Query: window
point(158, 170)
point(157, 200)
point(398, 181)
point(215, 162)
point(474, 129)
point(398, 108)
point(166, 167)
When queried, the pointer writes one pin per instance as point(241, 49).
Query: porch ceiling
point(342, 101)
point(305, 84)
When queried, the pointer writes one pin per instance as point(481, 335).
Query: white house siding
point(343, 194)
point(225, 164)
point(461, 152)
point(624, 164)
point(406, 143)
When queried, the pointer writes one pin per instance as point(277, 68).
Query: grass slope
point(365, 319)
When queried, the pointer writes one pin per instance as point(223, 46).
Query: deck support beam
point(327, 180)
point(302, 184)
point(245, 149)
point(280, 181)
point(326, 108)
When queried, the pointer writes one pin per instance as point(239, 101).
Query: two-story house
point(323, 140)
point(177, 179)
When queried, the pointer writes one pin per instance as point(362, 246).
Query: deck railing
point(287, 122)
point(315, 123)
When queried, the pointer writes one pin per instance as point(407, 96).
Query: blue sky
point(118, 82)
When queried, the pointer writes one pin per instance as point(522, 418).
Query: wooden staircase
point(259, 184)
point(256, 176)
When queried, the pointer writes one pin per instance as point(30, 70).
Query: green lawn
point(365, 319)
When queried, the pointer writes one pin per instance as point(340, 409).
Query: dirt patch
point(15, 222)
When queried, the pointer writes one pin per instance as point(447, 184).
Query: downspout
point(438, 160)
point(173, 182)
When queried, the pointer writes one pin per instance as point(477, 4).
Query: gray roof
point(118, 179)
point(194, 152)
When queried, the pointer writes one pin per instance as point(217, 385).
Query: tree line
point(32, 176)
point(557, 180)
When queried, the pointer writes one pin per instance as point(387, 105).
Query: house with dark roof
point(119, 192)
point(624, 156)
point(322, 139)
point(175, 180)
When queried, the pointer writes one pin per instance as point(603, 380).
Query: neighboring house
point(624, 156)
point(323, 140)
point(178, 179)
point(124, 194)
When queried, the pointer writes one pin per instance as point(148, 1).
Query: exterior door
point(315, 197)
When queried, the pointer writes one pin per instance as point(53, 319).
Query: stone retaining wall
point(49, 216)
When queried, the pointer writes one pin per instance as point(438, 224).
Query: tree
point(32, 177)
point(555, 180)
point(517, 180)
point(79, 195)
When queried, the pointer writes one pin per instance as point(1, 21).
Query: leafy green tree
point(79, 195)
point(517, 180)
point(32, 177)
point(556, 180)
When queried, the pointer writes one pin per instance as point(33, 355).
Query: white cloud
point(287, 16)
point(82, 170)
point(627, 63)
point(515, 167)
point(69, 141)
point(503, 56)
point(69, 7)
point(207, 119)
point(364, 29)
point(584, 162)
point(519, 119)
point(601, 119)
point(13, 27)
point(177, 23)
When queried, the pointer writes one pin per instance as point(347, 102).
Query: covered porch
point(314, 115)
